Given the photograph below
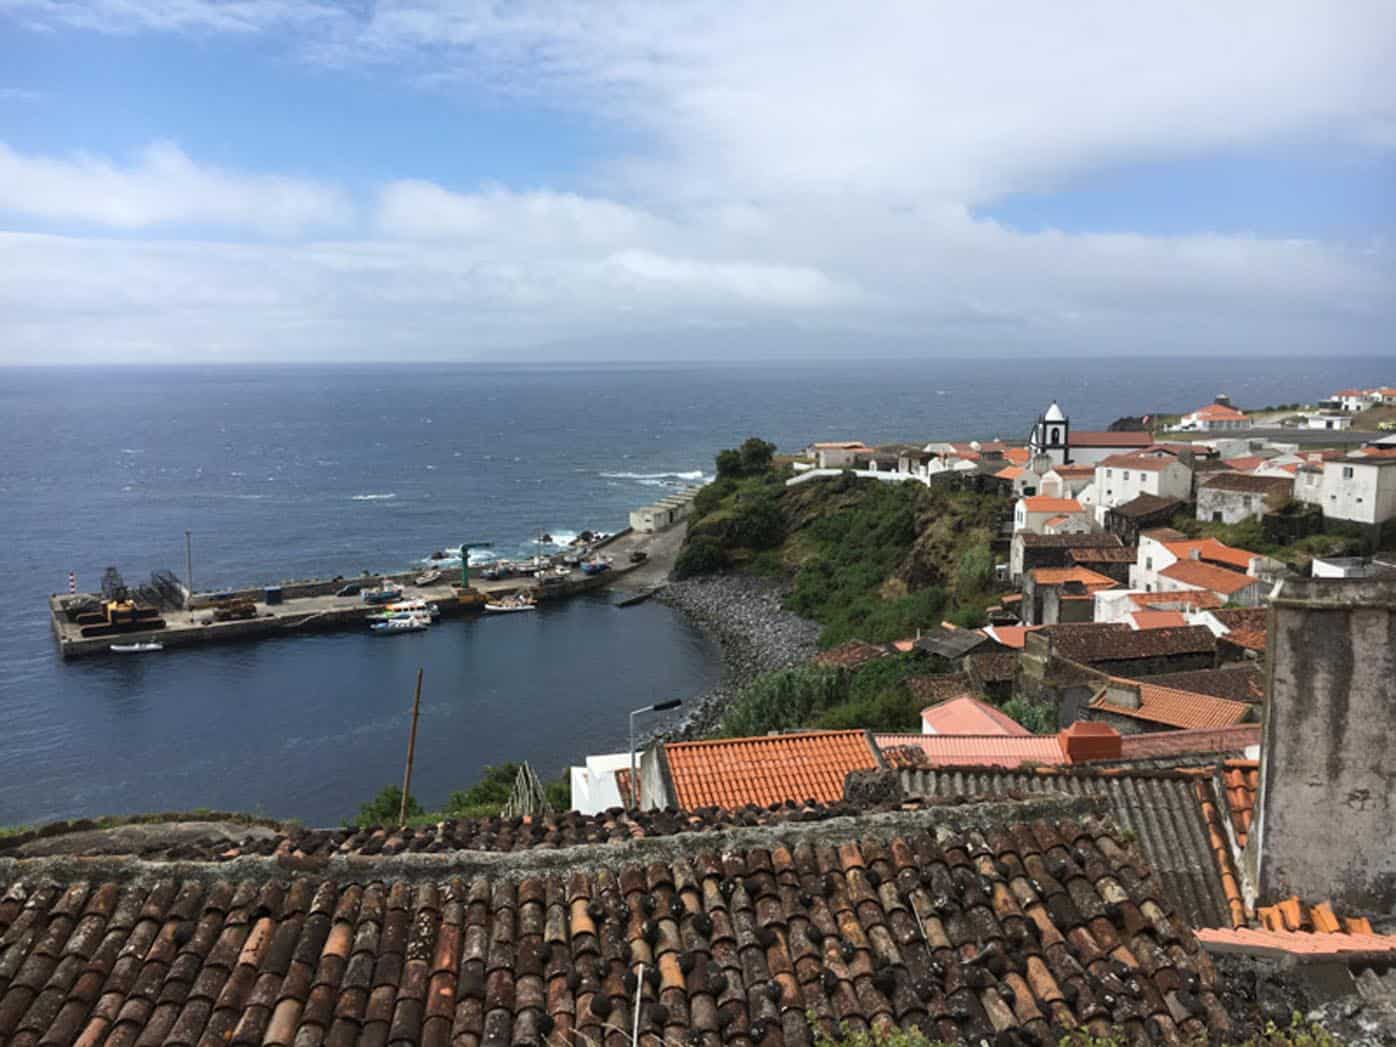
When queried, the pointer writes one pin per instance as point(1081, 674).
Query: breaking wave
point(373, 497)
point(696, 474)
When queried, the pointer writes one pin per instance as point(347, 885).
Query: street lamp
point(657, 707)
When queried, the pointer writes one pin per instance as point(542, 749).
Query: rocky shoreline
point(754, 631)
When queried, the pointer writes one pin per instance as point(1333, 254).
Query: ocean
point(297, 471)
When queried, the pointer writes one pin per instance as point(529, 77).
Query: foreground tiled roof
point(1092, 642)
point(1024, 931)
point(970, 750)
point(1160, 808)
point(1291, 914)
point(1206, 576)
point(848, 655)
point(739, 771)
point(1174, 708)
point(968, 715)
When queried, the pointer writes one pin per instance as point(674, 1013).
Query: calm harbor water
point(300, 471)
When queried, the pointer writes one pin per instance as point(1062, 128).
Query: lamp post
point(657, 707)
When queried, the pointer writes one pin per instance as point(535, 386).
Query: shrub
point(976, 571)
point(757, 522)
point(1035, 716)
point(782, 699)
point(700, 555)
point(384, 808)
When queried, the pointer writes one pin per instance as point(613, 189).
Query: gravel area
point(755, 633)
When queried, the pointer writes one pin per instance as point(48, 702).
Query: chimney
point(1223, 399)
point(1089, 741)
point(1327, 793)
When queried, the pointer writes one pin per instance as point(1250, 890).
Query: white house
point(1308, 484)
point(1033, 512)
point(1362, 490)
point(594, 786)
point(1122, 478)
point(1353, 400)
point(1327, 421)
point(838, 454)
point(1228, 585)
point(1154, 555)
point(1232, 497)
point(1067, 481)
point(1216, 416)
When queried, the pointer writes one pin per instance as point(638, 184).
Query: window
point(1347, 472)
point(1125, 476)
point(1216, 517)
point(1148, 563)
point(1109, 473)
point(1245, 501)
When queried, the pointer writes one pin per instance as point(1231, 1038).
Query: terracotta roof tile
point(1104, 642)
point(1103, 555)
point(1148, 505)
point(1220, 413)
point(1206, 576)
point(1149, 463)
point(1240, 783)
point(1010, 472)
point(935, 689)
point(735, 772)
point(1066, 541)
point(1017, 455)
point(1082, 438)
point(1245, 463)
point(977, 750)
point(1220, 847)
point(1010, 635)
point(1062, 575)
point(1246, 626)
point(1210, 549)
point(1041, 503)
point(967, 715)
point(1292, 943)
point(1209, 740)
point(848, 655)
point(766, 942)
point(1174, 708)
point(1157, 619)
point(1189, 599)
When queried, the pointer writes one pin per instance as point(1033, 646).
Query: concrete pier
point(310, 605)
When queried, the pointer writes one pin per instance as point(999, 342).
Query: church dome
point(1054, 414)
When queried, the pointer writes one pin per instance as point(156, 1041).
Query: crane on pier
point(465, 560)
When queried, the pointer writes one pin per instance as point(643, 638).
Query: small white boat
point(412, 623)
point(517, 602)
point(136, 648)
point(429, 578)
point(400, 607)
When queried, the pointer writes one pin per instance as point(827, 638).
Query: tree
point(383, 809)
point(756, 455)
point(729, 464)
point(702, 555)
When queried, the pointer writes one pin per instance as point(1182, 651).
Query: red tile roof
point(1244, 464)
point(1010, 472)
point(1211, 549)
point(1147, 463)
point(848, 655)
point(1010, 635)
point(1206, 576)
point(1219, 413)
point(1293, 915)
point(1017, 455)
point(966, 715)
point(977, 750)
point(1246, 626)
point(1061, 575)
point(1079, 438)
point(1190, 599)
point(1156, 744)
point(735, 772)
point(1041, 503)
point(1174, 708)
point(1241, 782)
point(1157, 619)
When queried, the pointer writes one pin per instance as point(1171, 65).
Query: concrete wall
point(1229, 507)
point(1328, 778)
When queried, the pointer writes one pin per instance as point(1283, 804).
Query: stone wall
point(1328, 776)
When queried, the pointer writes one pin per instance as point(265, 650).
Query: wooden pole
point(411, 751)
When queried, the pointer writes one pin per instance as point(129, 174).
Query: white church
point(1053, 437)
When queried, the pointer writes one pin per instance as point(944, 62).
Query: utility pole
point(188, 569)
point(411, 752)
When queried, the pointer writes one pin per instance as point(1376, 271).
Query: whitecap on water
point(373, 497)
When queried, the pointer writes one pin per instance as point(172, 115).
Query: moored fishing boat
point(407, 623)
point(507, 604)
point(385, 593)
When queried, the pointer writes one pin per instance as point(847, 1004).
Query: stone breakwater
point(754, 631)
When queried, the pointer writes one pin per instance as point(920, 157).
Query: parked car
point(352, 589)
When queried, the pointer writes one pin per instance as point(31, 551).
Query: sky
point(202, 181)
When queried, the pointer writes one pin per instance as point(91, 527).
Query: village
point(1189, 841)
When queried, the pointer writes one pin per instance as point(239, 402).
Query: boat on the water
point(408, 623)
point(136, 648)
point(516, 602)
point(400, 607)
point(386, 593)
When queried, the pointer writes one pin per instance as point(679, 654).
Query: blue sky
point(264, 179)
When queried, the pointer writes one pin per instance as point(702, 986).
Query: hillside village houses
point(1215, 417)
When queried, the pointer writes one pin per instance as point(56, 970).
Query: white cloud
point(162, 187)
point(805, 165)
